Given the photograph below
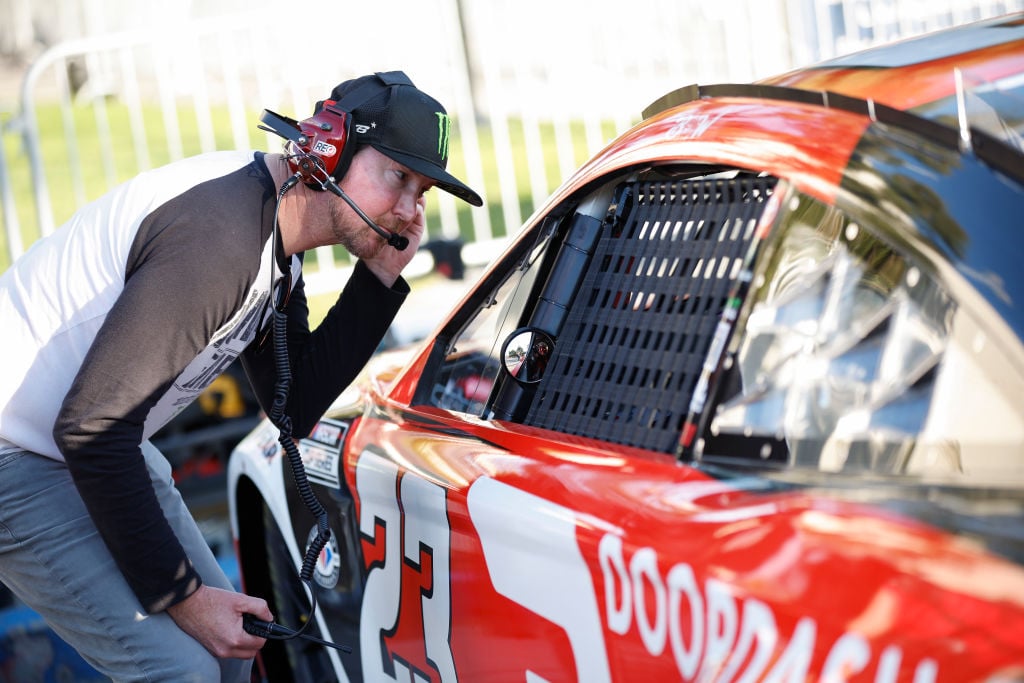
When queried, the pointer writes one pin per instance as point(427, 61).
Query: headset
point(319, 149)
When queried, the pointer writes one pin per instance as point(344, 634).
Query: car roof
point(783, 119)
point(918, 73)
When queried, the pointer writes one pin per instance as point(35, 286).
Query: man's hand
point(388, 264)
point(214, 618)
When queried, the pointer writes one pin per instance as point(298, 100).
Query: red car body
point(482, 540)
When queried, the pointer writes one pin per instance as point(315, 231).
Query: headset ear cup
point(321, 148)
point(330, 132)
point(347, 146)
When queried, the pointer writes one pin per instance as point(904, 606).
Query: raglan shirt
point(114, 323)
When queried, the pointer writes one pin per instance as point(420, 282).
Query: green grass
point(76, 146)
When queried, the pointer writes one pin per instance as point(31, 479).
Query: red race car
point(741, 402)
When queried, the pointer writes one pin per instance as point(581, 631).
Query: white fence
point(535, 86)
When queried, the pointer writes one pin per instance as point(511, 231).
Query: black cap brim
point(445, 180)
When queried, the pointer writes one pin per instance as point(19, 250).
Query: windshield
point(855, 358)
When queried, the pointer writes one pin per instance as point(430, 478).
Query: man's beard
point(354, 234)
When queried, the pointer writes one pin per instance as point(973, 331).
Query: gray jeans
point(53, 559)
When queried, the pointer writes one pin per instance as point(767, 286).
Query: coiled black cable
point(283, 422)
point(279, 291)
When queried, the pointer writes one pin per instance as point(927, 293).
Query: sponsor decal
point(321, 452)
point(328, 432)
point(693, 125)
point(713, 635)
point(444, 131)
point(324, 149)
point(540, 566)
point(266, 441)
point(328, 562)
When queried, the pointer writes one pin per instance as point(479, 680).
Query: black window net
point(628, 358)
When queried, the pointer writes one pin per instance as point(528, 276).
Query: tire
point(297, 660)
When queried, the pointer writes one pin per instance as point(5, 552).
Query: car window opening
point(841, 358)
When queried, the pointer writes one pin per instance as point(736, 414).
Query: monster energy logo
point(444, 129)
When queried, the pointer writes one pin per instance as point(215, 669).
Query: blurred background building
point(94, 91)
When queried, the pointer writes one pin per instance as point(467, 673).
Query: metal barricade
point(534, 88)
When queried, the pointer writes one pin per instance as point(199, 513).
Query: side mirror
point(525, 354)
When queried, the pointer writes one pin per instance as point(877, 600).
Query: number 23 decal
point(531, 554)
point(426, 533)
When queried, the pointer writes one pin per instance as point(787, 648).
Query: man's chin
point(369, 249)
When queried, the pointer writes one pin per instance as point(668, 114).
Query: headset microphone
point(399, 242)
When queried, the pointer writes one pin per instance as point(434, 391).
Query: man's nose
point(405, 207)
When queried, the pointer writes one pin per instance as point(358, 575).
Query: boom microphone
point(399, 242)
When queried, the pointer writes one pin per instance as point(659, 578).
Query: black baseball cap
point(399, 120)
